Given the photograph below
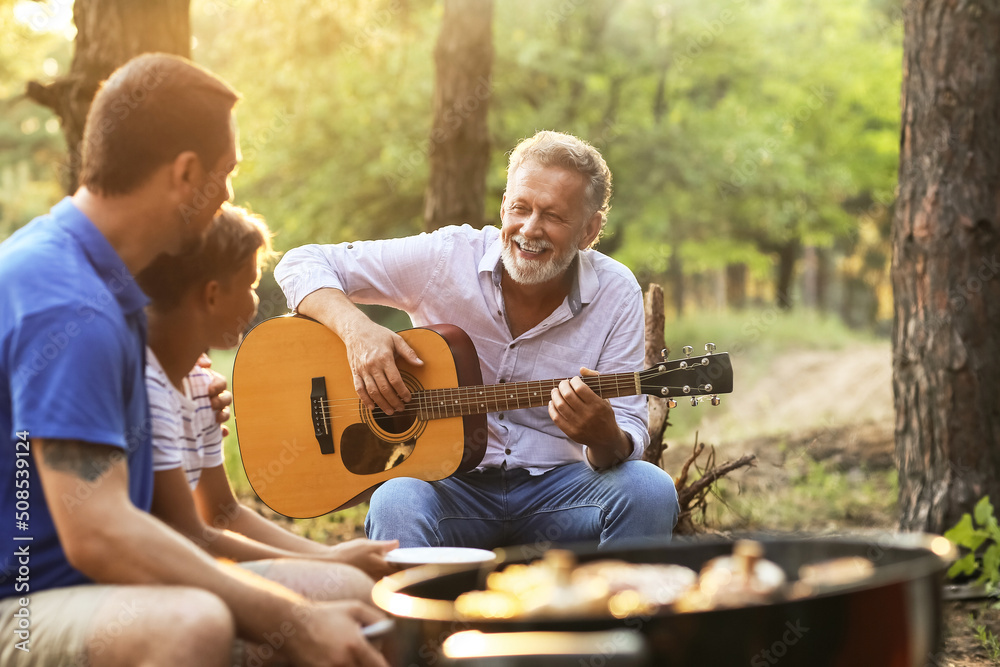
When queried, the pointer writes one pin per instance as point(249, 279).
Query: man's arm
point(371, 348)
point(111, 541)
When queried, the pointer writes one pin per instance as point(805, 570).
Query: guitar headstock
point(706, 375)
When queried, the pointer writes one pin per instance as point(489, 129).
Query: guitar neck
point(460, 401)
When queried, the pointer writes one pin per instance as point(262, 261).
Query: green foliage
point(989, 641)
point(31, 144)
point(973, 533)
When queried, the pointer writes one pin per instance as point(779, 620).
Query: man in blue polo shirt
point(87, 576)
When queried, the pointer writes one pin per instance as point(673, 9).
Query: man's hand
point(366, 555)
point(371, 352)
point(329, 635)
point(219, 396)
point(589, 420)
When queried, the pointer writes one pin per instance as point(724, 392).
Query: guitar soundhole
point(381, 442)
point(397, 423)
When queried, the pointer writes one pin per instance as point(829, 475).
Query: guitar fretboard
point(459, 401)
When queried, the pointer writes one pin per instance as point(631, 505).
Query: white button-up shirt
point(452, 276)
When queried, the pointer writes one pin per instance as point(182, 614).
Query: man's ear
point(503, 200)
point(593, 230)
point(187, 172)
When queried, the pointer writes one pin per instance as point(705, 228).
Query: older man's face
point(546, 220)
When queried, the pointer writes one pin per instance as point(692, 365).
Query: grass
point(815, 496)
point(753, 338)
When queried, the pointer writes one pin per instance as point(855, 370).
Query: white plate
point(409, 556)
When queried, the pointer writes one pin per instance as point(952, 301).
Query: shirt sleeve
point(625, 351)
point(168, 429)
point(68, 379)
point(391, 272)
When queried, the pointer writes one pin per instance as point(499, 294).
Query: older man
point(538, 303)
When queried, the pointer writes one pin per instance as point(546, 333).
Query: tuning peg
point(687, 350)
point(663, 353)
point(694, 401)
point(671, 403)
point(710, 347)
point(716, 400)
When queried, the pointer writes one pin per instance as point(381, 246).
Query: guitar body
point(309, 446)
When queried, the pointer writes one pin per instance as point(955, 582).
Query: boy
point(204, 299)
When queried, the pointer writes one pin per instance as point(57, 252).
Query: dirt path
point(821, 425)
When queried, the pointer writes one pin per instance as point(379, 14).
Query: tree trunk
point(736, 285)
point(459, 143)
point(659, 413)
point(810, 272)
point(822, 280)
point(787, 254)
point(946, 330)
point(108, 34)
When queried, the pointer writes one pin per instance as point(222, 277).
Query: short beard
point(535, 273)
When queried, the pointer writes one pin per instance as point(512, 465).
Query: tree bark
point(108, 34)
point(736, 285)
point(659, 413)
point(787, 254)
point(946, 330)
point(459, 143)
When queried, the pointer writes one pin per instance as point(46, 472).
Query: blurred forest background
point(754, 145)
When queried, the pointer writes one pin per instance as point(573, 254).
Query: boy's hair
point(234, 236)
point(149, 111)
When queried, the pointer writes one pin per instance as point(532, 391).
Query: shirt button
point(500, 416)
point(512, 346)
point(506, 451)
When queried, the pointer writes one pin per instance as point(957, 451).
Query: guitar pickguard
point(365, 453)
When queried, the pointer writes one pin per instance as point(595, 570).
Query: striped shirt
point(185, 434)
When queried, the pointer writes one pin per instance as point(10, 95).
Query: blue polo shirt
point(72, 360)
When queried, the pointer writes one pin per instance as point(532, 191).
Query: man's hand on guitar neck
point(589, 420)
point(371, 349)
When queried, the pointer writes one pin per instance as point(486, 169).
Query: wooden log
point(658, 410)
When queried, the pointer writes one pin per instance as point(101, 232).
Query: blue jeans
point(633, 502)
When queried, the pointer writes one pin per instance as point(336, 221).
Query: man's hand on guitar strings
point(583, 415)
point(371, 352)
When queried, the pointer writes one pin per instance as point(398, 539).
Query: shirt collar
point(585, 283)
point(102, 256)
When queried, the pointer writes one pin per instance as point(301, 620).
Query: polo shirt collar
point(106, 261)
point(585, 283)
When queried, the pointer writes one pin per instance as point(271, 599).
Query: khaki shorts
point(58, 623)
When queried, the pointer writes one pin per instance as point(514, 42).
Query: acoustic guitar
point(309, 446)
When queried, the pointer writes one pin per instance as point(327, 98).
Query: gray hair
point(555, 149)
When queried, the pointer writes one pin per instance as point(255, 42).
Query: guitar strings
point(444, 400)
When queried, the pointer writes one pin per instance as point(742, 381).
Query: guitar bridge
point(321, 415)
